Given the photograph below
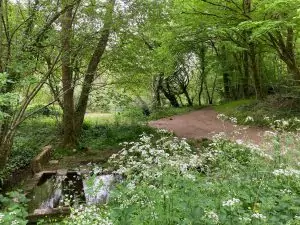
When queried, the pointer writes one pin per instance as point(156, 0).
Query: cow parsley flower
point(249, 119)
point(231, 202)
point(212, 216)
point(287, 173)
point(258, 216)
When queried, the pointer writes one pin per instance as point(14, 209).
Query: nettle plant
point(167, 181)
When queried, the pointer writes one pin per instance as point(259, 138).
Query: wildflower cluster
point(231, 202)
point(287, 172)
point(212, 216)
point(87, 216)
point(137, 158)
point(169, 182)
point(282, 124)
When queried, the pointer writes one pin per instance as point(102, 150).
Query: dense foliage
point(64, 61)
point(113, 55)
point(170, 182)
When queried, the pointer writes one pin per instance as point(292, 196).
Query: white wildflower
point(270, 134)
point(249, 119)
point(131, 186)
point(213, 216)
point(221, 117)
point(239, 141)
point(287, 172)
point(258, 216)
point(190, 176)
point(231, 202)
point(245, 219)
point(233, 119)
point(285, 191)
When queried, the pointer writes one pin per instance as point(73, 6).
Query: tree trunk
point(92, 67)
point(1, 38)
point(170, 95)
point(5, 149)
point(202, 77)
point(69, 139)
point(209, 98)
point(173, 100)
point(156, 92)
point(6, 138)
point(187, 96)
point(213, 89)
point(246, 75)
point(226, 83)
point(247, 4)
point(255, 71)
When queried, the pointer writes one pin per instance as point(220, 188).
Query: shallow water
point(96, 189)
point(55, 190)
point(64, 190)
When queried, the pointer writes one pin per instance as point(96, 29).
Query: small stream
point(96, 189)
point(55, 191)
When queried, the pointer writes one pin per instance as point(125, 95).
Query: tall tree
point(74, 115)
point(93, 65)
point(69, 139)
point(22, 73)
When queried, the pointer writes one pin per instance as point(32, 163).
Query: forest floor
point(203, 124)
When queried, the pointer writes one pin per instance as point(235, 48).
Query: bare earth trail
point(204, 123)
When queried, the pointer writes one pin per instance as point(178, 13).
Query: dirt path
point(204, 124)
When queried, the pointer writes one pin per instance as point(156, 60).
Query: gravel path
point(204, 124)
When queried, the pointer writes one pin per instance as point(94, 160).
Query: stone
point(62, 172)
point(53, 162)
point(41, 159)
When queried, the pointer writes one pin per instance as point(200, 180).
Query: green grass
point(231, 107)
point(107, 136)
point(135, 115)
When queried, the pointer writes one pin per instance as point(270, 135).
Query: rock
point(53, 162)
point(41, 159)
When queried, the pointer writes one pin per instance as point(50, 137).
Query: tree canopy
point(152, 52)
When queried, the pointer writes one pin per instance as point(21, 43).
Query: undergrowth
point(109, 135)
point(32, 135)
point(136, 115)
point(263, 112)
point(170, 182)
point(100, 132)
